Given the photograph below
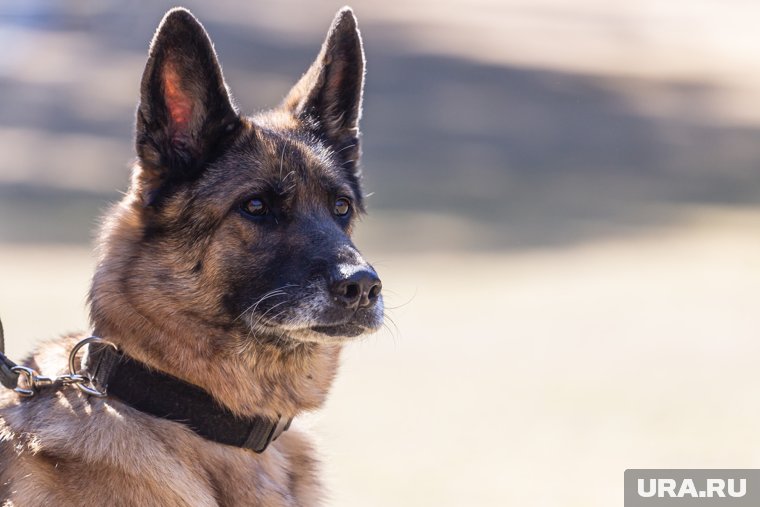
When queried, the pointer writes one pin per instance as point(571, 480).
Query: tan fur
point(160, 301)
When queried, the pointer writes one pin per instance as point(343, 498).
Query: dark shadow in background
point(534, 157)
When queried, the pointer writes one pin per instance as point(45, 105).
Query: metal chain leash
point(33, 381)
point(27, 382)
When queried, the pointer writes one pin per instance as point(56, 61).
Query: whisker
point(387, 318)
point(404, 303)
point(279, 291)
point(276, 292)
point(274, 317)
point(282, 159)
point(261, 317)
point(345, 148)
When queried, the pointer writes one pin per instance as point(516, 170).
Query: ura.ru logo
point(671, 488)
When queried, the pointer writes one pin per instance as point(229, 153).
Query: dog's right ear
point(185, 111)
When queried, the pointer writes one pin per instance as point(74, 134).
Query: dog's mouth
point(314, 319)
point(321, 330)
point(323, 333)
point(348, 330)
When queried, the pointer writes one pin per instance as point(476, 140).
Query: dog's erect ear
point(329, 96)
point(185, 111)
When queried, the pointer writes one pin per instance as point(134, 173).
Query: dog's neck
point(266, 380)
point(247, 375)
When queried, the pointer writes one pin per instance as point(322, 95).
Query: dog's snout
point(359, 290)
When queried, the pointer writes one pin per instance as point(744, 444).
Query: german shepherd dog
point(227, 267)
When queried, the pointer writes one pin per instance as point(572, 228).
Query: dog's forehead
point(285, 161)
point(278, 154)
point(290, 159)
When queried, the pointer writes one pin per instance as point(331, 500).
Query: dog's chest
point(66, 451)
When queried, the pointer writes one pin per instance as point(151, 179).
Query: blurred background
point(565, 210)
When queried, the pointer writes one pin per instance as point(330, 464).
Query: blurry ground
point(566, 206)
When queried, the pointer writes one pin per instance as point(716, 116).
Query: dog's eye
point(342, 206)
point(255, 207)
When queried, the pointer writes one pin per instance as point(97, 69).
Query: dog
point(226, 285)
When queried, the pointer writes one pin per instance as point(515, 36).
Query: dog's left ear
point(185, 111)
point(328, 97)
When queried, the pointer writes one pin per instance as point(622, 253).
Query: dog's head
point(244, 223)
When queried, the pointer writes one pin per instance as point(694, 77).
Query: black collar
point(162, 395)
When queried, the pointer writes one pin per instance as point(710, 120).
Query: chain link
point(33, 381)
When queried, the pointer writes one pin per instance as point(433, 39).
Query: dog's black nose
point(359, 290)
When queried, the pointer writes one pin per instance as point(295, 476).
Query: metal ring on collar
point(89, 387)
